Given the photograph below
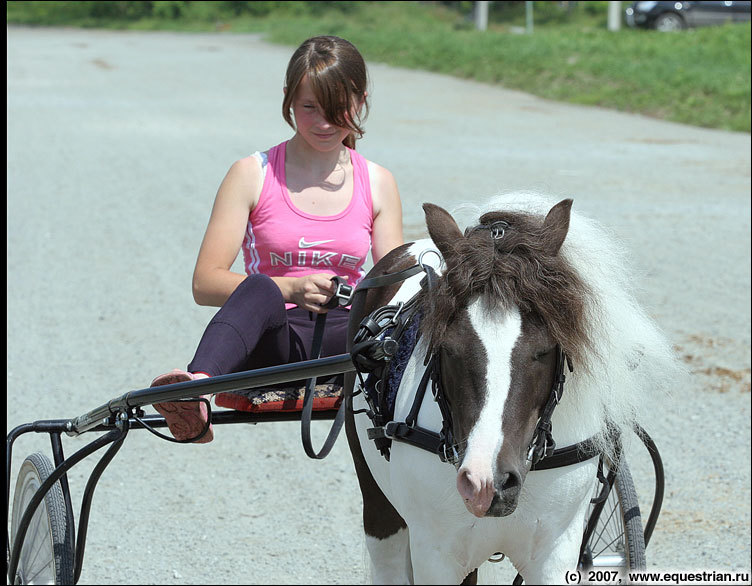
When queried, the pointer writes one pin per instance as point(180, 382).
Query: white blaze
point(498, 333)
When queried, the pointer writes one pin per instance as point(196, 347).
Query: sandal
point(185, 419)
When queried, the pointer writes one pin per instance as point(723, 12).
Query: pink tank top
point(283, 241)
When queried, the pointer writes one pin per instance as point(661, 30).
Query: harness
point(374, 348)
point(375, 345)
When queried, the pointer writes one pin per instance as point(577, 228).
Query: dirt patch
point(701, 354)
point(102, 64)
point(688, 521)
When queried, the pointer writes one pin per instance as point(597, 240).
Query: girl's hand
point(312, 292)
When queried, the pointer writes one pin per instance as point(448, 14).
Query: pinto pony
point(530, 287)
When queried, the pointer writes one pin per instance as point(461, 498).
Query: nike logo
point(303, 244)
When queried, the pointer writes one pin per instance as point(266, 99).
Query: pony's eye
point(540, 354)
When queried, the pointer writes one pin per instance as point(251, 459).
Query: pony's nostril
point(510, 481)
point(467, 485)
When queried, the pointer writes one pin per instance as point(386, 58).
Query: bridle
point(374, 346)
point(543, 445)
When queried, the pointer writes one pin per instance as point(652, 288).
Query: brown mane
point(512, 270)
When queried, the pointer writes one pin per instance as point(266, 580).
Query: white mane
point(633, 365)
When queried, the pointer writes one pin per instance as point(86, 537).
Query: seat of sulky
point(327, 396)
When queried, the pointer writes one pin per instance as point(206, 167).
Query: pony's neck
point(578, 416)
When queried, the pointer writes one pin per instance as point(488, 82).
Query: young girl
point(303, 211)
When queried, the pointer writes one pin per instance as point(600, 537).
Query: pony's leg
point(387, 537)
point(390, 558)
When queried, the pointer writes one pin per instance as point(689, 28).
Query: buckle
point(532, 450)
point(451, 458)
point(392, 428)
point(343, 293)
point(550, 446)
point(542, 445)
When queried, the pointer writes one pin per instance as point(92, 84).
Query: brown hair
point(339, 80)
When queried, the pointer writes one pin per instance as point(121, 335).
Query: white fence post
point(481, 15)
point(614, 16)
point(528, 17)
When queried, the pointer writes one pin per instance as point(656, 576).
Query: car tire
point(669, 22)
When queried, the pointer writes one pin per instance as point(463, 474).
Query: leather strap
point(574, 454)
point(389, 278)
point(341, 297)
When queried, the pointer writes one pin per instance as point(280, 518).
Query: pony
point(502, 306)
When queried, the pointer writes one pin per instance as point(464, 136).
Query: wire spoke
point(605, 525)
point(35, 541)
point(30, 579)
point(607, 546)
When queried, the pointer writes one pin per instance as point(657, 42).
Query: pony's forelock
point(513, 270)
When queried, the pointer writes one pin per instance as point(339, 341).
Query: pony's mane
point(622, 361)
point(514, 269)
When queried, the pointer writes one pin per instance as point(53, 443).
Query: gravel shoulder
point(117, 143)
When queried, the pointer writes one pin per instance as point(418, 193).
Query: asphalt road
point(117, 142)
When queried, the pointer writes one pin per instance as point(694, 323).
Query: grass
point(699, 76)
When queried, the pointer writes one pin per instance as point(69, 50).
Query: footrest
point(326, 397)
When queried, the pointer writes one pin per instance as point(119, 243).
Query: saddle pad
point(326, 397)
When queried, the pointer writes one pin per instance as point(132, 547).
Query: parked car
point(673, 16)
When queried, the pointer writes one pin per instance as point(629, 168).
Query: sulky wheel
point(617, 542)
point(47, 555)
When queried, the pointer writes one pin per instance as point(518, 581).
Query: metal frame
point(655, 509)
point(118, 416)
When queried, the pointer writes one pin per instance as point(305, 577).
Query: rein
point(343, 293)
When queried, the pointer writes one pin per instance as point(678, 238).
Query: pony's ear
point(556, 226)
point(442, 228)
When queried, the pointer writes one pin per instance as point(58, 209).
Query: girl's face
point(311, 123)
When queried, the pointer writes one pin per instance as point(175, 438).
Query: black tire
point(669, 22)
point(47, 555)
point(618, 541)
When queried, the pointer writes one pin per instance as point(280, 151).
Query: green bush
point(107, 11)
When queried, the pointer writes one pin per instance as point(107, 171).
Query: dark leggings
point(253, 330)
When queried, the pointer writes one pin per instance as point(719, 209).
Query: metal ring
point(497, 229)
point(428, 250)
point(400, 306)
point(495, 559)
